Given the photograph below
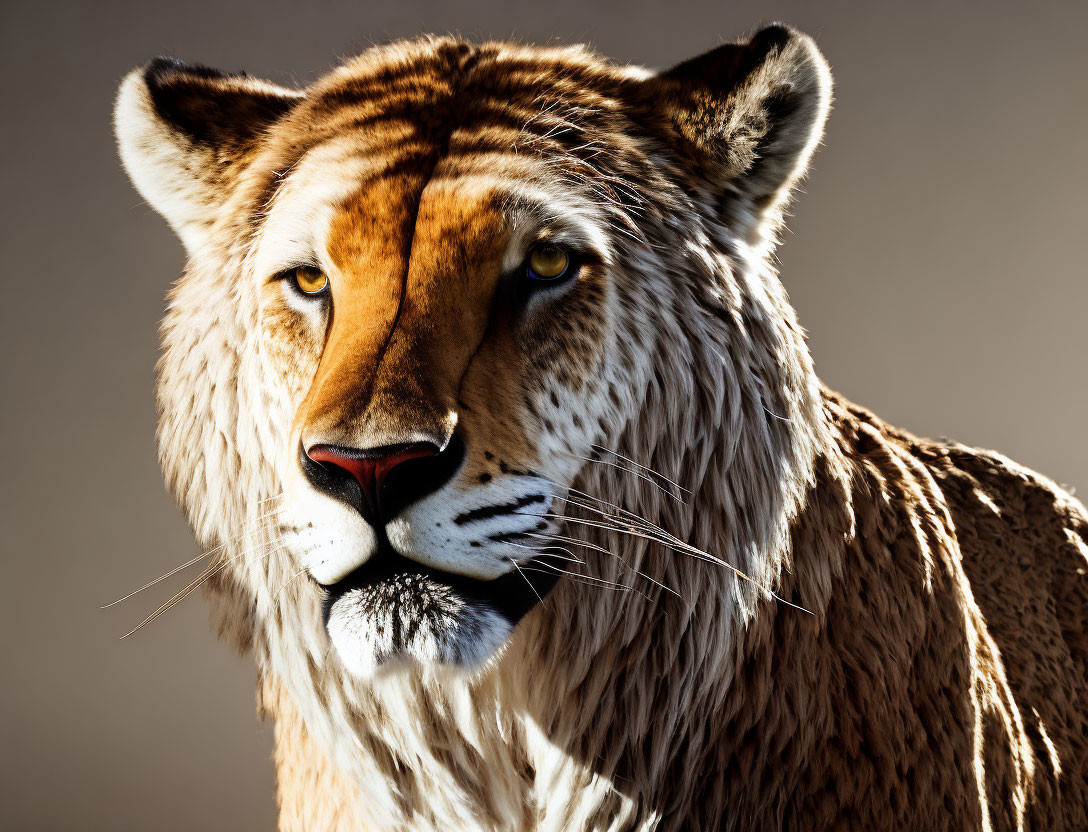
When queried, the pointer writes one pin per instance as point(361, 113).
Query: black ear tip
point(163, 69)
point(774, 36)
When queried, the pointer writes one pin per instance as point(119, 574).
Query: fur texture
point(775, 611)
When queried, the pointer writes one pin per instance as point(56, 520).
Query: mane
point(765, 610)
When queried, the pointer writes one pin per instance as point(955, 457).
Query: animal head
point(425, 295)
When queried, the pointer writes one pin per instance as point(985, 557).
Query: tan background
point(938, 260)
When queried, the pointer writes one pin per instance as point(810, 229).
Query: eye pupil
point(310, 281)
point(547, 262)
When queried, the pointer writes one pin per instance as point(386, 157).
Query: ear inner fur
point(751, 115)
point(185, 131)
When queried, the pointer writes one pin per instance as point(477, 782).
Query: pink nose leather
point(371, 470)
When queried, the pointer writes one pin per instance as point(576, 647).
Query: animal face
point(448, 376)
point(423, 293)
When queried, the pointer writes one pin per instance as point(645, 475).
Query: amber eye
point(547, 261)
point(308, 280)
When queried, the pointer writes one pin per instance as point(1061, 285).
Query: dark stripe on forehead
point(490, 73)
point(456, 86)
point(441, 69)
point(486, 101)
point(314, 121)
point(429, 113)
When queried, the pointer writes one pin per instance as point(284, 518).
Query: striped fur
point(929, 668)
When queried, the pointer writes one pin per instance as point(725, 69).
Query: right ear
point(180, 131)
point(749, 114)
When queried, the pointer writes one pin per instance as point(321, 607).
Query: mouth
point(393, 611)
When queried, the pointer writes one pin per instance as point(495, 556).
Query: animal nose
point(380, 482)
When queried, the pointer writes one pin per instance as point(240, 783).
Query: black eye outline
point(291, 275)
point(569, 271)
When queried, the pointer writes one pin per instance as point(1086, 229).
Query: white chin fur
point(372, 634)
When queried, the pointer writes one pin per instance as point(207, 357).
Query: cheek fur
point(563, 338)
point(566, 349)
point(293, 336)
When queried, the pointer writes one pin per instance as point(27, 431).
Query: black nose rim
point(407, 483)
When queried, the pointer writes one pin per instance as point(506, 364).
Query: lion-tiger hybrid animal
point(525, 495)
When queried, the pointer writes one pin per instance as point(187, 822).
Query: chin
point(393, 614)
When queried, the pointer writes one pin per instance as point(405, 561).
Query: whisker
point(162, 578)
point(589, 580)
point(628, 519)
point(514, 563)
point(273, 513)
point(290, 580)
point(195, 584)
point(544, 551)
point(676, 544)
point(621, 514)
point(599, 500)
point(634, 520)
point(638, 474)
point(585, 543)
point(191, 562)
point(646, 468)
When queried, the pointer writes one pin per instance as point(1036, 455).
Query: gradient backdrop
point(937, 259)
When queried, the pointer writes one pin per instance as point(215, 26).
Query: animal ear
point(182, 129)
point(750, 115)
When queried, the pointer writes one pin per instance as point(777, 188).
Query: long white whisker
point(638, 474)
point(589, 496)
point(678, 545)
point(622, 515)
point(184, 593)
point(627, 519)
point(514, 563)
point(646, 468)
point(544, 553)
point(538, 550)
point(589, 580)
point(574, 541)
point(189, 563)
point(162, 578)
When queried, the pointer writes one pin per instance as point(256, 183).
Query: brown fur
point(928, 670)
